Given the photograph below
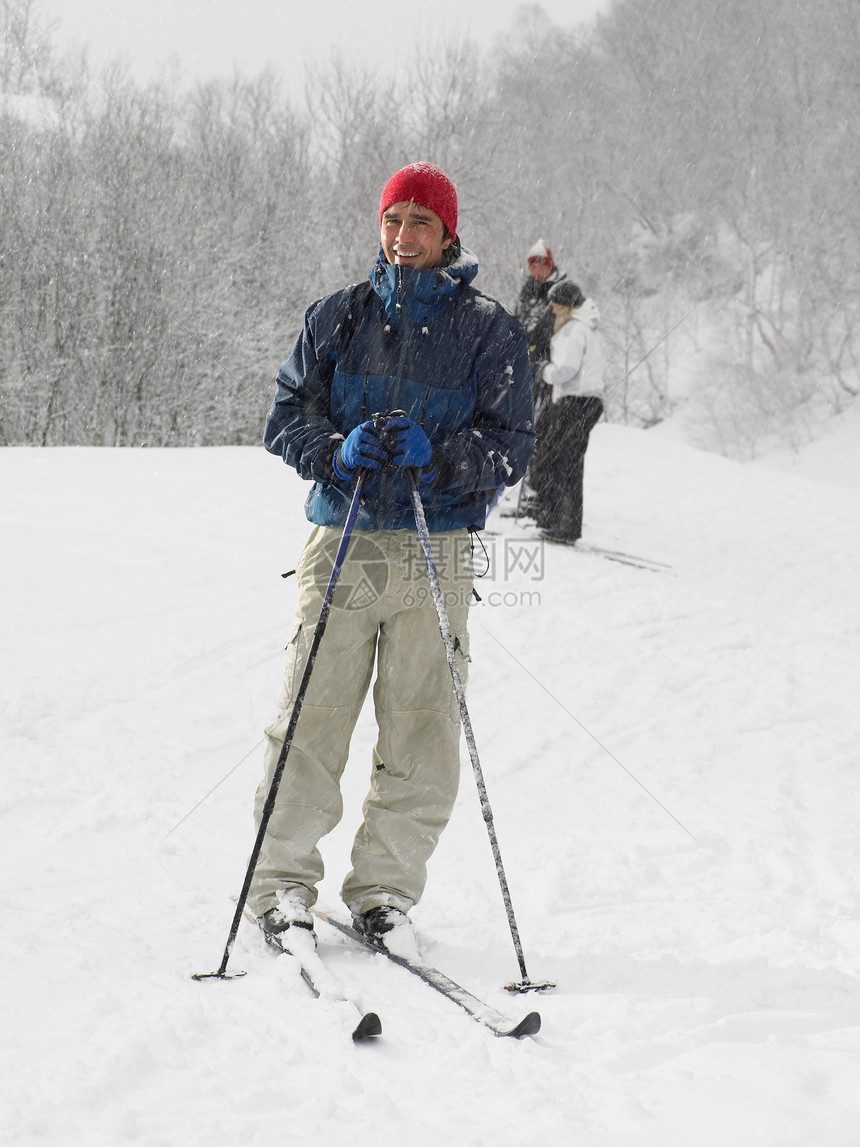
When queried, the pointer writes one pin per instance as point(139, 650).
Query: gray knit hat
point(566, 294)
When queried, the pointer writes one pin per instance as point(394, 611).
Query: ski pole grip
point(380, 421)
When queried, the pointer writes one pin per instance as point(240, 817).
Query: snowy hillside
point(671, 756)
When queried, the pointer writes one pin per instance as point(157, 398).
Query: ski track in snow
point(670, 756)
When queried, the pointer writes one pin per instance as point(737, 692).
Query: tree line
point(691, 165)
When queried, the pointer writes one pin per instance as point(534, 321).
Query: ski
point(483, 1013)
point(621, 556)
point(598, 551)
point(322, 984)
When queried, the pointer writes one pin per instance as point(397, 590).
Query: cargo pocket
point(292, 668)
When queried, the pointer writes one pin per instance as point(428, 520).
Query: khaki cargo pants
point(382, 614)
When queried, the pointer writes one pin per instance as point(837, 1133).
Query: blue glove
point(361, 448)
point(409, 445)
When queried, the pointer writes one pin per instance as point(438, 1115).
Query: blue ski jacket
point(430, 344)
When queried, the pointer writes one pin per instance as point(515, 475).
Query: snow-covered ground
point(672, 760)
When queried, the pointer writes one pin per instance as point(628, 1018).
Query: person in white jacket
point(575, 374)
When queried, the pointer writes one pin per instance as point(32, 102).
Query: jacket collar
point(420, 296)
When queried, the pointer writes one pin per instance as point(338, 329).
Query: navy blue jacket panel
point(430, 344)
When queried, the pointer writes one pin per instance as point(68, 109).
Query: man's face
point(413, 236)
point(540, 271)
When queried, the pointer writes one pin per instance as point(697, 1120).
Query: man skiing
point(417, 337)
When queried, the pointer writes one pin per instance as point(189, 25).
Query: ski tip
point(528, 1025)
point(370, 1026)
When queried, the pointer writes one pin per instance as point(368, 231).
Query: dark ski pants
point(559, 462)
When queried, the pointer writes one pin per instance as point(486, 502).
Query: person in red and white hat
point(534, 312)
point(416, 337)
point(533, 309)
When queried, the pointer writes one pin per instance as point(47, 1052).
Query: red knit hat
point(540, 256)
point(427, 185)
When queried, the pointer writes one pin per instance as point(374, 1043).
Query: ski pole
point(625, 376)
point(607, 394)
point(525, 985)
point(325, 610)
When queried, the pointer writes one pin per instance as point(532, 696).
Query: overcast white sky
point(209, 37)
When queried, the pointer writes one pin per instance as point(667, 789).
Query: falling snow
point(671, 758)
